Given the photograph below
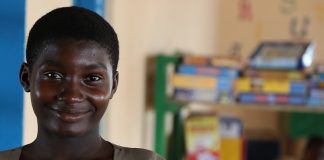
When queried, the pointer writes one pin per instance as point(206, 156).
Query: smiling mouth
point(70, 116)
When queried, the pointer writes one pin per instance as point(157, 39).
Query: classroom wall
point(146, 27)
point(247, 22)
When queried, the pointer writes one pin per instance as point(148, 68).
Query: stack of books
point(206, 79)
point(276, 74)
point(272, 87)
point(288, 87)
point(316, 87)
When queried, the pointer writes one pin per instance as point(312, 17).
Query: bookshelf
point(264, 107)
point(163, 105)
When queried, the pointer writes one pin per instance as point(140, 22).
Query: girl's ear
point(24, 77)
point(115, 84)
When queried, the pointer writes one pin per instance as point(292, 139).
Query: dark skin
point(70, 85)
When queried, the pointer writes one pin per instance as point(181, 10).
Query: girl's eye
point(92, 78)
point(53, 75)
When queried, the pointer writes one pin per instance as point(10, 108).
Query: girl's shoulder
point(12, 154)
point(120, 153)
point(126, 153)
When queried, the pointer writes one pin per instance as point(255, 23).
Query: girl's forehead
point(81, 52)
point(74, 44)
point(83, 47)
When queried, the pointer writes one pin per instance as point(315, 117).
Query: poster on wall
point(245, 10)
point(277, 20)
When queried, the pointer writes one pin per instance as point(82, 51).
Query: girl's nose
point(71, 92)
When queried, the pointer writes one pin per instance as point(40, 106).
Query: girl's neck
point(87, 146)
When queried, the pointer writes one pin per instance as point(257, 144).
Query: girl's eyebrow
point(51, 62)
point(90, 66)
point(96, 65)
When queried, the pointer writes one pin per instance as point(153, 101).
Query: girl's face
point(70, 84)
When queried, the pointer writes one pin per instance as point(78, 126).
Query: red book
point(281, 99)
point(261, 98)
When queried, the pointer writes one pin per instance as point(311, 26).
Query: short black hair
point(72, 23)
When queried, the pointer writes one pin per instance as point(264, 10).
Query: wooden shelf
point(274, 107)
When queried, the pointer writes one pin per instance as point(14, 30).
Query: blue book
point(296, 100)
point(208, 70)
point(315, 101)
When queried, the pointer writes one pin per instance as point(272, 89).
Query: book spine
point(193, 81)
point(271, 74)
point(208, 71)
point(272, 86)
point(272, 99)
point(316, 97)
point(196, 60)
point(274, 63)
point(202, 95)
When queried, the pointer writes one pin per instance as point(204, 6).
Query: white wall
point(269, 22)
point(146, 27)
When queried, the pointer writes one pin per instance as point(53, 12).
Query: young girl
point(71, 74)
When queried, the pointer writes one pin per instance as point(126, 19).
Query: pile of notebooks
point(288, 87)
point(316, 87)
point(207, 79)
point(276, 74)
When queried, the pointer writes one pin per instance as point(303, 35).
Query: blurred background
point(207, 79)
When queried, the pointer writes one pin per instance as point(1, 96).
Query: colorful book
point(316, 97)
point(275, 74)
point(262, 98)
point(271, 86)
point(208, 71)
point(202, 137)
point(202, 95)
point(184, 81)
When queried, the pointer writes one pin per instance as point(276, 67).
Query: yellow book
point(193, 81)
point(231, 145)
point(267, 86)
point(231, 149)
point(276, 86)
point(242, 85)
